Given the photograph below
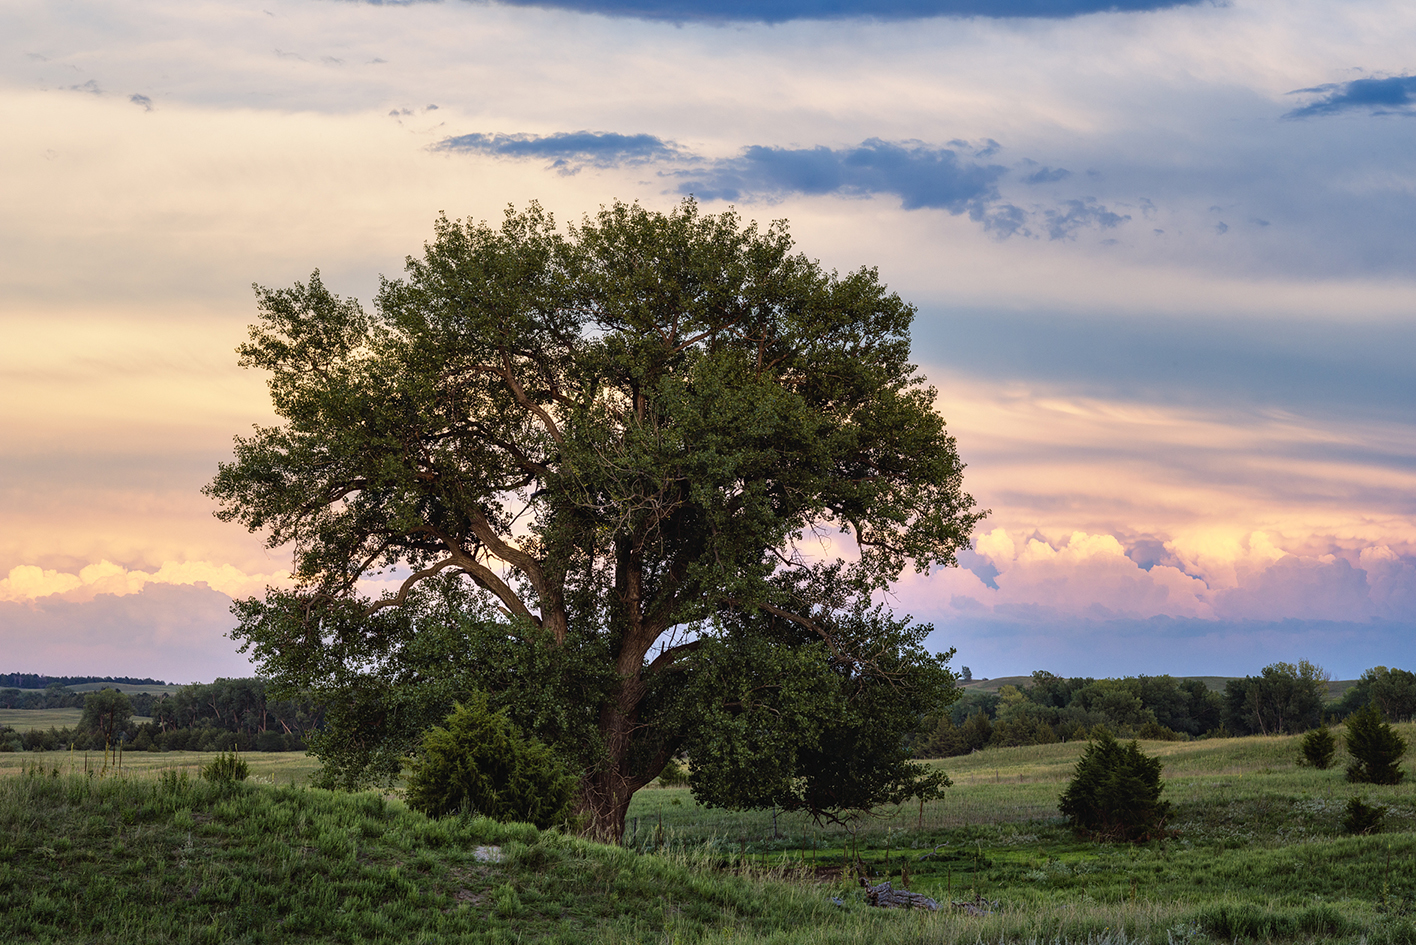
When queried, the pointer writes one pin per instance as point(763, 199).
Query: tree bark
point(605, 793)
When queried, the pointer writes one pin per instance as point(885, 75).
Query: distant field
point(122, 687)
point(274, 767)
point(1015, 785)
point(23, 720)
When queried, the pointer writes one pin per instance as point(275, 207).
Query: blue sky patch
point(956, 179)
point(921, 176)
point(1395, 95)
point(566, 150)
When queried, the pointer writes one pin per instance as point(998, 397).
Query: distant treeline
point(220, 716)
point(1285, 698)
point(40, 681)
point(53, 697)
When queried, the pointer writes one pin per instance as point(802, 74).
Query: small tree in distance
point(106, 712)
point(1318, 748)
point(1115, 793)
point(1376, 750)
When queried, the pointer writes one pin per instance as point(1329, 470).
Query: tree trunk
point(606, 792)
point(604, 801)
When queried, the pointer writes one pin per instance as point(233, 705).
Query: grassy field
point(129, 688)
point(1014, 785)
point(1259, 855)
point(22, 720)
point(291, 768)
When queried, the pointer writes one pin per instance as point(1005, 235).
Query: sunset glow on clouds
point(28, 582)
point(1162, 253)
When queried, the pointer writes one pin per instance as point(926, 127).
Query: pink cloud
point(28, 582)
point(166, 631)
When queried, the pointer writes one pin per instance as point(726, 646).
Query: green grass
point(129, 688)
point(275, 767)
point(23, 720)
point(1259, 856)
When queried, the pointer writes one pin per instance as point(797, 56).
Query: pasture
point(1259, 855)
point(23, 720)
point(275, 767)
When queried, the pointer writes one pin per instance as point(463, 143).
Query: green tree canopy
point(106, 712)
point(1283, 698)
point(655, 468)
point(1391, 690)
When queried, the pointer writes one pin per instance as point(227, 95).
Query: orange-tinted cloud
point(28, 582)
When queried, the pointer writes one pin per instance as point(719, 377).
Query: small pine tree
point(482, 763)
point(1362, 817)
point(1115, 793)
point(1376, 750)
point(1318, 748)
point(976, 732)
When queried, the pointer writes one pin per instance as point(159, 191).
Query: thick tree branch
point(408, 585)
point(519, 393)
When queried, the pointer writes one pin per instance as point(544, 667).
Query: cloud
point(1047, 175)
point(1090, 576)
point(138, 98)
point(1394, 95)
point(1064, 222)
point(174, 632)
point(997, 646)
point(28, 582)
point(921, 176)
point(781, 11)
point(954, 179)
point(567, 151)
point(1087, 605)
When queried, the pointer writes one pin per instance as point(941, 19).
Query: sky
point(1163, 254)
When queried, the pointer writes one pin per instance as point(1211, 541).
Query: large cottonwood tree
point(640, 481)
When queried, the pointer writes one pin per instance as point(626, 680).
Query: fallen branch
point(888, 897)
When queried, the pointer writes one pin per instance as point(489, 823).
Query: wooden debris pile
point(888, 897)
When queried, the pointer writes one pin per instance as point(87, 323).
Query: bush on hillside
point(1318, 748)
point(1361, 817)
point(224, 768)
point(1376, 750)
point(1115, 792)
point(481, 763)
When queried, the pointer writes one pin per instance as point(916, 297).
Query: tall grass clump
point(225, 768)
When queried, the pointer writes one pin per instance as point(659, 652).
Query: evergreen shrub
point(1318, 748)
point(481, 763)
point(1115, 792)
point(1361, 817)
point(1376, 750)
